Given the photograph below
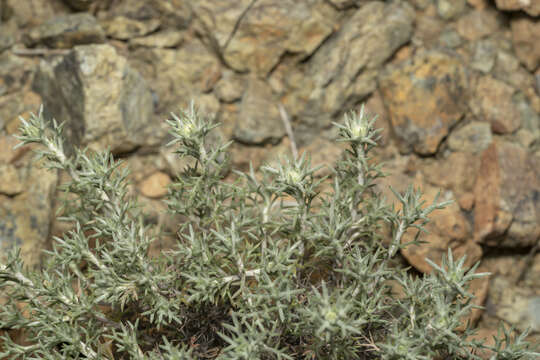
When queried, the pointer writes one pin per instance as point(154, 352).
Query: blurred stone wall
point(455, 85)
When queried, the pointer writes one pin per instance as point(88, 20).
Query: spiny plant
point(243, 282)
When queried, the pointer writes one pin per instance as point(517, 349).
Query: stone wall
point(455, 84)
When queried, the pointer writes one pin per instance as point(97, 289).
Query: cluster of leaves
point(243, 282)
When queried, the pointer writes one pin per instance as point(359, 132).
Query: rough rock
point(425, 98)
point(344, 69)
point(485, 53)
point(66, 31)
point(259, 120)
point(31, 12)
point(478, 24)
point(25, 213)
point(123, 28)
point(450, 9)
point(507, 211)
point(178, 75)
point(16, 105)
point(252, 36)
point(473, 137)
point(493, 102)
point(518, 306)
point(531, 7)
point(15, 72)
point(457, 172)
point(105, 102)
point(8, 35)
point(478, 4)
point(173, 14)
point(162, 39)
point(230, 87)
point(525, 35)
point(427, 30)
point(155, 185)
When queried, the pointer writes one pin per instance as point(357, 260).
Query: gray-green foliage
point(244, 282)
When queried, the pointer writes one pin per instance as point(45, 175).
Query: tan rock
point(66, 31)
point(478, 4)
point(471, 138)
point(425, 98)
point(466, 201)
point(259, 119)
point(179, 75)
point(345, 68)
point(108, 106)
point(478, 24)
point(525, 35)
point(531, 7)
point(229, 88)
point(507, 212)
point(123, 28)
point(8, 155)
point(10, 182)
point(162, 39)
point(516, 305)
point(457, 172)
point(493, 102)
point(154, 186)
point(253, 36)
point(25, 218)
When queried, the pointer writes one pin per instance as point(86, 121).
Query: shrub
point(243, 282)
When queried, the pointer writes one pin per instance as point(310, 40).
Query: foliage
point(243, 282)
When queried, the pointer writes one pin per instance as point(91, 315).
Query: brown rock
point(471, 138)
point(162, 39)
point(531, 7)
point(259, 120)
point(229, 88)
point(15, 73)
point(493, 102)
point(478, 24)
point(32, 12)
point(25, 218)
point(66, 31)
point(525, 35)
point(10, 181)
point(123, 28)
point(177, 75)
point(17, 105)
point(427, 30)
point(254, 36)
point(466, 201)
point(425, 97)
point(344, 69)
point(450, 9)
point(507, 212)
point(457, 172)
point(108, 105)
point(8, 155)
point(154, 186)
point(478, 4)
point(518, 306)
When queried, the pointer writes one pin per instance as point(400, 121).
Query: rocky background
point(456, 85)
